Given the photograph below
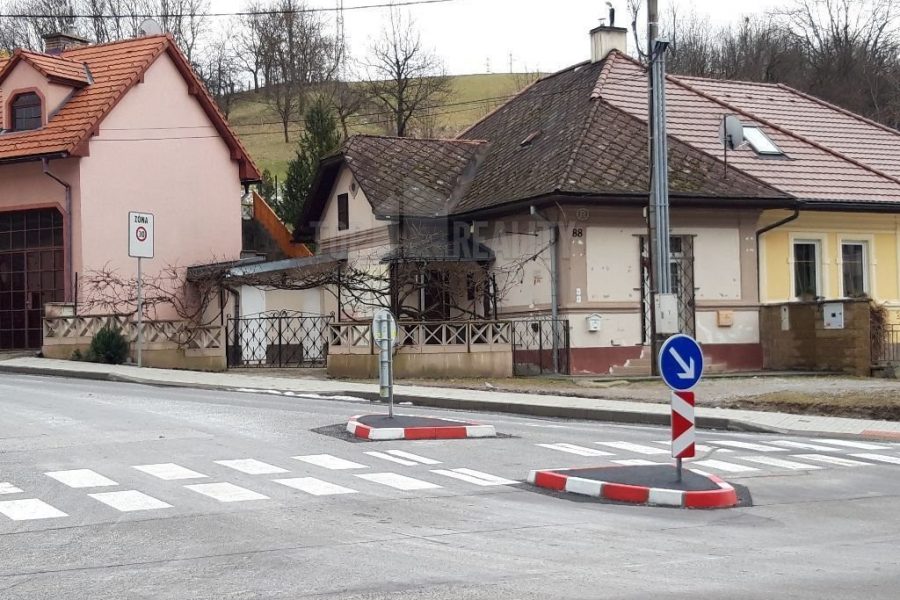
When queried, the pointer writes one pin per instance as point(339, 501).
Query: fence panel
point(278, 340)
point(533, 346)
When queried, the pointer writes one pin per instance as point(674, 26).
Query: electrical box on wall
point(725, 318)
point(833, 313)
point(594, 322)
point(666, 313)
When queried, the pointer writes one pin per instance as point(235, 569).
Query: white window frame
point(868, 245)
point(821, 252)
point(774, 151)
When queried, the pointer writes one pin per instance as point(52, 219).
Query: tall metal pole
point(140, 311)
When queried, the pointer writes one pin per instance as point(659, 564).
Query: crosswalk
point(740, 457)
point(253, 482)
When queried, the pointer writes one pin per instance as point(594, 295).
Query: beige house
point(535, 211)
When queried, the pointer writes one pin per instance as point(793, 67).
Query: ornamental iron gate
point(681, 263)
point(283, 339)
point(532, 346)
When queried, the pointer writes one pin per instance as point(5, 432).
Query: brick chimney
point(607, 38)
point(57, 43)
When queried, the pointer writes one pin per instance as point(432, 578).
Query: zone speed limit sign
point(140, 235)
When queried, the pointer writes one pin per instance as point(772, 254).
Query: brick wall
point(801, 341)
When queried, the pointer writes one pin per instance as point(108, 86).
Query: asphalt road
point(114, 491)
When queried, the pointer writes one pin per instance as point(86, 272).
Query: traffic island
point(406, 427)
point(656, 485)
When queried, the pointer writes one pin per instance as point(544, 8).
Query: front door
point(32, 273)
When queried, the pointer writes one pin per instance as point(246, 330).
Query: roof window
point(26, 112)
point(760, 142)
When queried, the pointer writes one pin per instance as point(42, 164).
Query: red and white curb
point(723, 497)
point(448, 432)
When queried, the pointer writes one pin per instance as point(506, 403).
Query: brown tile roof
point(817, 166)
point(115, 68)
point(415, 177)
point(56, 68)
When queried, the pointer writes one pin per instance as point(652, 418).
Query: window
point(26, 112)
point(343, 212)
point(853, 269)
point(760, 142)
point(806, 268)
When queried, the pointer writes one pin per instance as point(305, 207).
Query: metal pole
point(389, 347)
point(678, 468)
point(140, 311)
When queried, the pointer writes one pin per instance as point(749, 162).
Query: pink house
point(89, 133)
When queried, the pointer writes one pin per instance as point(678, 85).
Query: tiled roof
point(57, 68)
point(114, 68)
point(817, 166)
point(554, 138)
point(415, 177)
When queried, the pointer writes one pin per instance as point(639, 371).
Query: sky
point(479, 36)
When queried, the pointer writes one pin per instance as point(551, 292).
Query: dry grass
point(882, 405)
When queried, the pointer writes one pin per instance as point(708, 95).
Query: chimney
point(57, 43)
point(606, 38)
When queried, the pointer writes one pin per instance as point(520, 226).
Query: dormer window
point(26, 112)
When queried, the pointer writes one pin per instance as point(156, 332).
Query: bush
point(108, 346)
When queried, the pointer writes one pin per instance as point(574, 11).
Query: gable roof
point(819, 166)
point(112, 70)
point(55, 68)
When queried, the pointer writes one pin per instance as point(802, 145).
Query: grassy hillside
point(261, 133)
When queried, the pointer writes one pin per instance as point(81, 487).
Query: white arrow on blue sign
point(681, 362)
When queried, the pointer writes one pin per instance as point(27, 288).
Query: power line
point(259, 13)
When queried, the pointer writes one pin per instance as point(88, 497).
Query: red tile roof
point(56, 68)
point(115, 68)
point(830, 154)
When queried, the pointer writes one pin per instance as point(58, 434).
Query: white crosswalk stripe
point(803, 445)
point(81, 478)
point(860, 445)
point(630, 447)
point(251, 466)
point(780, 463)
point(29, 509)
point(399, 461)
point(415, 457)
point(8, 488)
point(699, 447)
point(721, 465)
point(315, 487)
point(476, 477)
point(226, 492)
point(399, 482)
point(573, 449)
point(879, 458)
point(747, 446)
point(635, 462)
point(832, 460)
point(169, 471)
point(130, 500)
point(328, 461)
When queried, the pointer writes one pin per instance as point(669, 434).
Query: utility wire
point(249, 13)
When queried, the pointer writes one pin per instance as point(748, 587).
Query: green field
point(261, 132)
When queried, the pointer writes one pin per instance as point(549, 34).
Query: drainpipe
point(45, 164)
point(759, 234)
point(554, 282)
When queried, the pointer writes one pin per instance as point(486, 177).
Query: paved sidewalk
point(496, 401)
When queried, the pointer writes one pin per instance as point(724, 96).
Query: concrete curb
point(723, 497)
point(449, 432)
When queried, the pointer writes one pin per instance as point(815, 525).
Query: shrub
point(108, 346)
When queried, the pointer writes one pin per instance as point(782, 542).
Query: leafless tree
point(302, 55)
point(348, 99)
point(404, 77)
point(218, 70)
point(250, 45)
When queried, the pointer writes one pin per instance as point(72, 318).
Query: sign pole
point(140, 312)
point(681, 367)
point(389, 350)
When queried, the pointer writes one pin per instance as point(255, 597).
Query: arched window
point(26, 112)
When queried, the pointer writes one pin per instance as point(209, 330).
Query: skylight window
point(760, 142)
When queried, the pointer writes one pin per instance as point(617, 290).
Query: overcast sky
point(544, 35)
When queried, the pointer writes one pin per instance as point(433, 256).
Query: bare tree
point(301, 55)
point(250, 50)
point(218, 69)
point(348, 100)
point(404, 77)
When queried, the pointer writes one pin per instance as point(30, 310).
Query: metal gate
point(283, 339)
point(681, 263)
point(533, 348)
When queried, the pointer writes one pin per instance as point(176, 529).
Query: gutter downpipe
point(45, 164)
point(759, 234)
point(554, 282)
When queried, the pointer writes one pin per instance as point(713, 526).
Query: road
point(112, 490)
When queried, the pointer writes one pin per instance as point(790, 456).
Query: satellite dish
point(150, 27)
point(731, 132)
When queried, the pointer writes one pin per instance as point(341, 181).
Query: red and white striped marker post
point(683, 437)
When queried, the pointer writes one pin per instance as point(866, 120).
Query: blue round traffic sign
point(681, 362)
